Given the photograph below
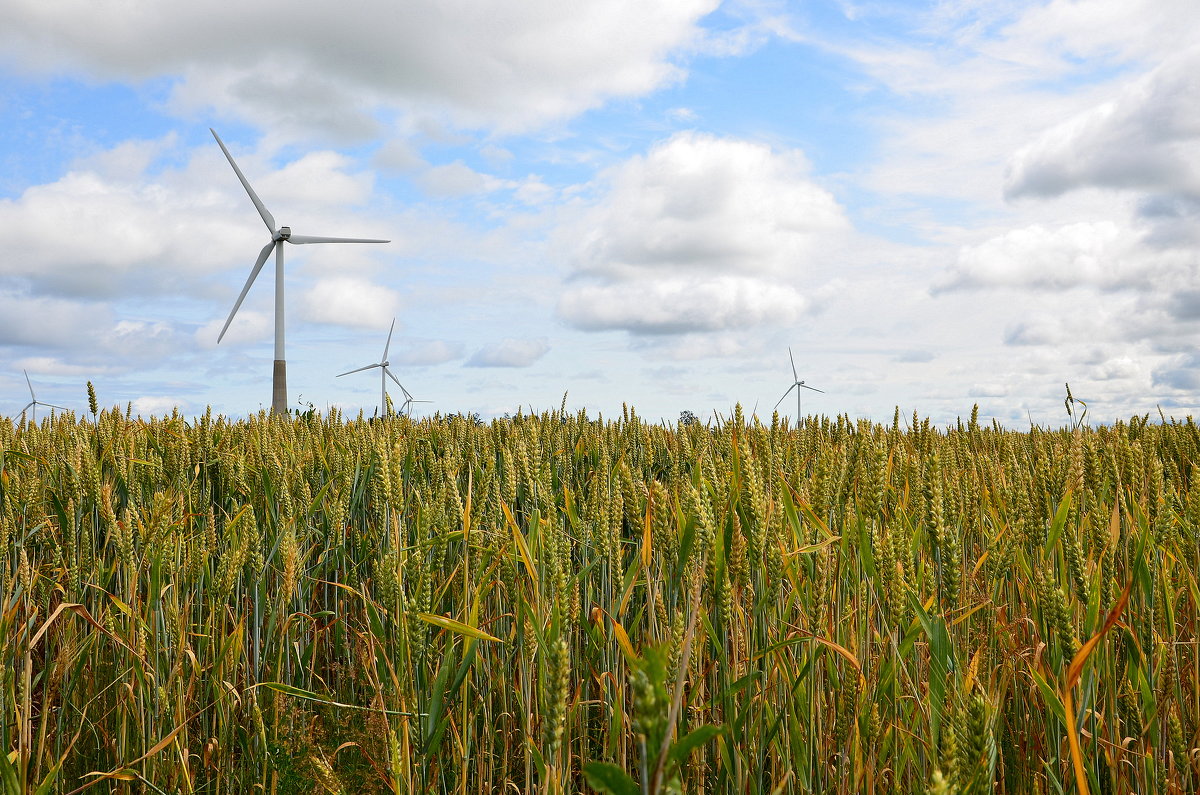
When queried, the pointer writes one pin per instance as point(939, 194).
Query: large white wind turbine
point(797, 385)
point(278, 237)
point(34, 402)
point(384, 375)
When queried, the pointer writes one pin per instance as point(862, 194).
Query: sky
point(932, 204)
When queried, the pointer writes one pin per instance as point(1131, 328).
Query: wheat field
point(561, 604)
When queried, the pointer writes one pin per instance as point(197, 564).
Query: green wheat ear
point(93, 406)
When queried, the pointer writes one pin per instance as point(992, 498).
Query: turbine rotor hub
point(284, 233)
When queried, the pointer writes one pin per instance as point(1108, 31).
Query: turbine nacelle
point(283, 234)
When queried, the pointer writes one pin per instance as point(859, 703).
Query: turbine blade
point(813, 388)
point(359, 370)
point(302, 239)
point(793, 361)
point(262, 257)
point(52, 406)
point(397, 380)
point(268, 219)
point(785, 394)
point(30, 384)
point(25, 408)
point(388, 344)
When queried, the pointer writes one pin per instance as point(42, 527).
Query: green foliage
point(555, 604)
point(610, 779)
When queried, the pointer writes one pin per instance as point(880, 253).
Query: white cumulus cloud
point(1144, 138)
point(677, 306)
point(157, 406)
point(311, 65)
point(456, 179)
point(423, 353)
point(349, 301)
point(509, 353)
point(700, 234)
point(46, 322)
point(50, 365)
point(1085, 253)
point(248, 327)
point(316, 178)
point(85, 235)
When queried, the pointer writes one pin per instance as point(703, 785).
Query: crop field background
point(557, 604)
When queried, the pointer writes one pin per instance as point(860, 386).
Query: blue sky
point(933, 204)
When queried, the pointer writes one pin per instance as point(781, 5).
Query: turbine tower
point(34, 402)
point(797, 385)
point(279, 235)
point(384, 375)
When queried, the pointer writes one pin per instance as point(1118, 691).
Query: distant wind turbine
point(384, 375)
point(406, 406)
point(34, 403)
point(797, 385)
point(278, 236)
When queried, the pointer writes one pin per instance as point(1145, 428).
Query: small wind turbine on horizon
point(34, 402)
point(797, 385)
point(384, 375)
point(406, 406)
point(279, 235)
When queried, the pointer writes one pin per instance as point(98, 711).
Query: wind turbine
point(278, 236)
point(34, 403)
point(797, 385)
point(384, 375)
point(406, 406)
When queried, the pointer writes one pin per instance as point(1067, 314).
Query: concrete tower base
point(279, 401)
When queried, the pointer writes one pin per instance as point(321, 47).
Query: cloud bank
point(509, 353)
point(702, 233)
point(504, 65)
